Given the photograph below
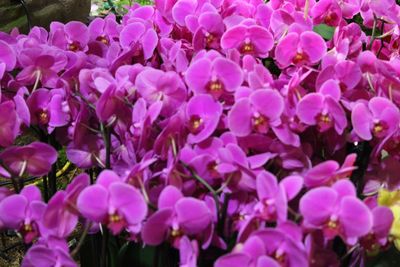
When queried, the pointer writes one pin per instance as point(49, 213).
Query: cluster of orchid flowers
point(232, 125)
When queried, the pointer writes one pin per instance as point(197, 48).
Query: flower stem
point(373, 33)
point(203, 182)
point(107, 143)
point(81, 240)
point(45, 188)
point(52, 175)
point(222, 218)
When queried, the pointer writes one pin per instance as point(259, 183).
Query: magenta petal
point(77, 31)
point(267, 185)
point(7, 56)
point(331, 87)
point(107, 177)
point(317, 205)
point(313, 45)
point(337, 113)
point(193, 215)
point(268, 102)
point(272, 239)
point(198, 75)
point(254, 247)
point(168, 197)
point(209, 111)
point(58, 117)
point(39, 256)
point(239, 118)
point(309, 107)
point(149, 43)
point(8, 124)
point(31, 192)
point(93, 203)
point(107, 104)
point(261, 38)
point(22, 108)
point(233, 37)
point(292, 185)
point(181, 9)
point(361, 120)
point(80, 158)
point(379, 104)
point(229, 73)
point(154, 231)
point(129, 201)
point(211, 22)
point(51, 218)
point(383, 219)
point(13, 211)
point(344, 188)
point(257, 161)
point(233, 259)
point(131, 33)
point(391, 117)
point(2, 71)
point(320, 174)
point(287, 49)
point(355, 217)
point(286, 136)
point(265, 261)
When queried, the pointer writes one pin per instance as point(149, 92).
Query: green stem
point(382, 42)
point(204, 183)
point(80, 242)
point(222, 218)
point(373, 33)
point(107, 143)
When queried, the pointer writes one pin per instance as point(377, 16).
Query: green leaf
point(324, 30)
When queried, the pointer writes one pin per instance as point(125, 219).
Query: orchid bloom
point(113, 203)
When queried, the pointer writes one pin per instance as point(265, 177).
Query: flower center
point(103, 39)
point(260, 123)
point(215, 88)
point(212, 168)
point(300, 57)
point(209, 39)
point(370, 244)
point(331, 228)
point(324, 122)
point(29, 232)
point(43, 117)
point(195, 124)
point(330, 18)
point(27, 228)
point(269, 210)
point(74, 46)
point(116, 223)
point(379, 129)
point(176, 233)
point(114, 218)
point(247, 47)
point(279, 256)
